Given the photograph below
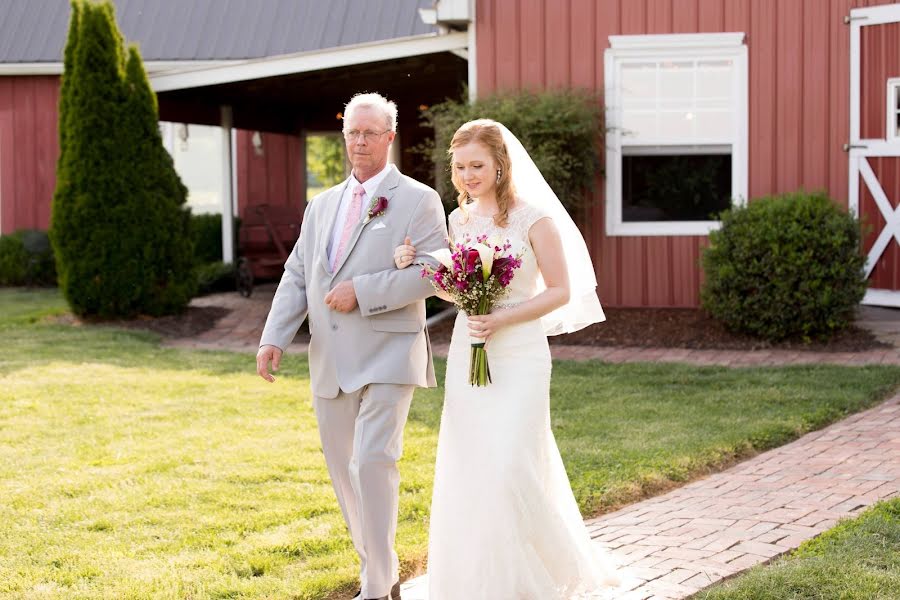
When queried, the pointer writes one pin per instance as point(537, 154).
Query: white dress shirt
point(371, 185)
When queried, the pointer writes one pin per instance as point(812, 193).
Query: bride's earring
point(498, 175)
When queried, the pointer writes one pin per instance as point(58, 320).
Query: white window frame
point(890, 124)
point(671, 47)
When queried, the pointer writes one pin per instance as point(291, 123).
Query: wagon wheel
point(244, 278)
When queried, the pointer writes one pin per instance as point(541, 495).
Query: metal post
point(227, 203)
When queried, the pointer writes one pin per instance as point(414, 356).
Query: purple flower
point(378, 206)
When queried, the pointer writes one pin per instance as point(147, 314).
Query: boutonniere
point(377, 208)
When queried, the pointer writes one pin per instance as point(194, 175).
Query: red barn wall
point(29, 147)
point(798, 102)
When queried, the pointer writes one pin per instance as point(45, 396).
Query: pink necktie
point(349, 223)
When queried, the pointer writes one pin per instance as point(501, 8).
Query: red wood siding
point(277, 176)
point(29, 149)
point(798, 103)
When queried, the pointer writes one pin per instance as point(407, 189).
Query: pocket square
point(379, 225)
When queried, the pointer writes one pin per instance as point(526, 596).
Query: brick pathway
point(672, 546)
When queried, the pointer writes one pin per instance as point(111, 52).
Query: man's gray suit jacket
point(384, 339)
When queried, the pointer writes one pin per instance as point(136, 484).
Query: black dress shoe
point(394, 595)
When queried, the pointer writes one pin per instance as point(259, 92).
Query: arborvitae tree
point(119, 224)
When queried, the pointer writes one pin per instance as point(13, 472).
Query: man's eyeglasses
point(369, 136)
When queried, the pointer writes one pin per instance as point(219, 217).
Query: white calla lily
point(443, 256)
point(486, 253)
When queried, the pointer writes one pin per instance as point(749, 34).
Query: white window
point(676, 143)
point(893, 110)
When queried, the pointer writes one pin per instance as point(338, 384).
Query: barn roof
point(34, 31)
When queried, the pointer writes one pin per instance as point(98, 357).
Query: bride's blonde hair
point(488, 134)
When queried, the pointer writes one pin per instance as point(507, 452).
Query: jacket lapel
point(386, 188)
point(333, 204)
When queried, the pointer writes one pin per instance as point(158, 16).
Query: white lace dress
point(504, 521)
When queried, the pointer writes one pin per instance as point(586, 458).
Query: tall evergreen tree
point(120, 227)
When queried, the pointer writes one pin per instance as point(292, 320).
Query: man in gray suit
point(368, 348)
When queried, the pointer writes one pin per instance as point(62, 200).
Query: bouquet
point(475, 275)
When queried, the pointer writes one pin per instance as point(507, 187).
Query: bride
point(504, 521)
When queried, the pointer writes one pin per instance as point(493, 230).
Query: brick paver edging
point(676, 544)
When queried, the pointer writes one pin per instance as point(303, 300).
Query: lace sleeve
point(533, 214)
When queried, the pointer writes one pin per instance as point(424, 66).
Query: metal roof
point(34, 31)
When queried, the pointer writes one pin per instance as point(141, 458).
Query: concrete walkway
point(674, 545)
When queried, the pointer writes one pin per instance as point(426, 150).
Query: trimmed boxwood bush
point(26, 258)
point(206, 231)
point(215, 277)
point(120, 228)
point(784, 267)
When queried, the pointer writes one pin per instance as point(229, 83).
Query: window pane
point(675, 102)
point(676, 80)
point(638, 82)
point(714, 79)
point(676, 125)
point(675, 187)
point(714, 124)
point(638, 124)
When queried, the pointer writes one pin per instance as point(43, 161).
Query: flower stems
point(479, 370)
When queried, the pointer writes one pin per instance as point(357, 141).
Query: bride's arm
point(551, 260)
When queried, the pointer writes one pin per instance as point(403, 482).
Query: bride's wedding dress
point(504, 521)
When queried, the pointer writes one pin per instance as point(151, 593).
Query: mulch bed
point(636, 327)
point(193, 321)
point(682, 328)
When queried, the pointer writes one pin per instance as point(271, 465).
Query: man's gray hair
point(376, 101)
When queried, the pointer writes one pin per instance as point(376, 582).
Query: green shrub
point(120, 228)
point(26, 258)
point(785, 267)
point(206, 234)
point(13, 260)
point(215, 277)
point(560, 130)
point(206, 231)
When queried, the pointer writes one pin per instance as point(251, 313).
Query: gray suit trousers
point(362, 438)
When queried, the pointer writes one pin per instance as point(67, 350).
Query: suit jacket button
point(334, 327)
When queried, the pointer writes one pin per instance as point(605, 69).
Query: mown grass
point(132, 470)
point(859, 559)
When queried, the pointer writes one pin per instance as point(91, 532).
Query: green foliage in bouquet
point(561, 130)
point(785, 267)
point(120, 229)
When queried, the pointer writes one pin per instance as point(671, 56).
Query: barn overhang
point(305, 91)
point(296, 93)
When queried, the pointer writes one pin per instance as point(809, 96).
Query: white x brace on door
point(862, 150)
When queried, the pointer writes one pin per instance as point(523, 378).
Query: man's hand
point(342, 298)
point(268, 353)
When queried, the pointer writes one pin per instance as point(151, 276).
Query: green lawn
point(857, 560)
point(129, 470)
